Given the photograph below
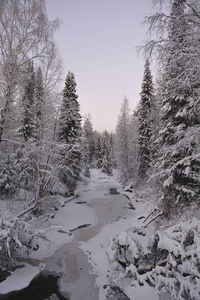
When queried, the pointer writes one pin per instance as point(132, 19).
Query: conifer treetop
point(70, 87)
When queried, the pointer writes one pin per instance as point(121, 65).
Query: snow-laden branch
point(154, 217)
point(11, 141)
point(17, 236)
point(42, 232)
point(169, 262)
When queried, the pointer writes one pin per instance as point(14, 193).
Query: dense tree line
point(97, 148)
point(43, 139)
point(167, 118)
point(40, 126)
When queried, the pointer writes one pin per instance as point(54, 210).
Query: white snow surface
point(98, 248)
point(70, 216)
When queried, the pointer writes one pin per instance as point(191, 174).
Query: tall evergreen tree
point(69, 134)
point(106, 153)
point(98, 149)
point(134, 145)
point(145, 127)
point(179, 160)
point(39, 102)
point(88, 141)
point(28, 103)
point(70, 118)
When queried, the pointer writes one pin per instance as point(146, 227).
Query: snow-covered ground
point(129, 230)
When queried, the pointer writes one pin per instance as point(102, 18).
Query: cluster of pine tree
point(161, 140)
point(134, 147)
point(97, 148)
point(40, 127)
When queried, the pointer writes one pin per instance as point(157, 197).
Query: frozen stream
point(78, 267)
point(77, 280)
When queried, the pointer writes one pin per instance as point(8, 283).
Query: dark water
point(43, 286)
point(114, 191)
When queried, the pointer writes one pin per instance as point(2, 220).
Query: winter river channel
point(72, 262)
point(75, 261)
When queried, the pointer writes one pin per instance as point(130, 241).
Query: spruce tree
point(134, 161)
point(98, 151)
point(70, 118)
point(28, 103)
point(178, 166)
point(145, 127)
point(106, 153)
point(69, 134)
point(39, 102)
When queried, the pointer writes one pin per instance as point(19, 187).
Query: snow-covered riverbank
point(118, 246)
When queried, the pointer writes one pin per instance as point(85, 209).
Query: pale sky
point(97, 41)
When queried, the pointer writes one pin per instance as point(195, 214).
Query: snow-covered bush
point(170, 262)
point(8, 174)
point(46, 206)
point(19, 238)
point(123, 250)
point(15, 237)
point(26, 165)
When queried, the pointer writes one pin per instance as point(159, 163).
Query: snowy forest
point(48, 150)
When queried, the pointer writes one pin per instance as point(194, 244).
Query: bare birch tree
point(25, 34)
